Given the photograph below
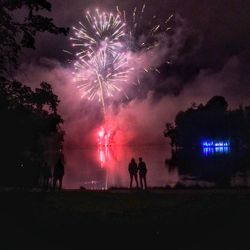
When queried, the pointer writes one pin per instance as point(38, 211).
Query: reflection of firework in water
point(103, 155)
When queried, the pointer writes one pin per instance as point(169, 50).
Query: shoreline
point(127, 190)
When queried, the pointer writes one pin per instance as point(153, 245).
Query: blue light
point(208, 150)
point(210, 147)
point(215, 143)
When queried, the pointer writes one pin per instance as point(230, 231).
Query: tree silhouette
point(20, 21)
point(213, 121)
point(30, 124)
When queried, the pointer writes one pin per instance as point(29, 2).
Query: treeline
point(30, 124)
point(212, 121)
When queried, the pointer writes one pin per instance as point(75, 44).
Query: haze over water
point(107, 167)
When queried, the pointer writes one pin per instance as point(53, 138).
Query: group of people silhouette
point(133, 169)
point(54, 180)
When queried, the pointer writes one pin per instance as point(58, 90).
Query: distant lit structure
point(214, 143)
point(210, 147)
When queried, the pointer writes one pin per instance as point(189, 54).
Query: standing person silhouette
point(142, 173)
point(58, 174)
point(133, 169)
point(46, 176)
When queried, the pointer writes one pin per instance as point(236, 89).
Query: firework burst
point(101, 67)
point(101, 76)
point(104, 43)
point(100, 31)
point(144, 33)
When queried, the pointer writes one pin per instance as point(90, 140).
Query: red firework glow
point(104, 142)
point(103, 137)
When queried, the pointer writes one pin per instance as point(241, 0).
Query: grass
point(176, 219)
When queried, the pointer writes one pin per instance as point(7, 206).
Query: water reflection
point(212, 166)
point(106, 167)
point(215, 150)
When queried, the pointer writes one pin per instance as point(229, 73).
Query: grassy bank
point(176, 219)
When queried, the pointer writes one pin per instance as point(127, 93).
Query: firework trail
point(143, 33)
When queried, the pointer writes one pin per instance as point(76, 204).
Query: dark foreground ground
point(157, 219)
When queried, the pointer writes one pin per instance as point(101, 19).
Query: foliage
point(19, 23)
point(29, 117)
point(213, 121)
point(30, 124)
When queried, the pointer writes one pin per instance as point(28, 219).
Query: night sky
point(209, 56)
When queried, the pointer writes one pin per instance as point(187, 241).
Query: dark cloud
point(220, 26)
point(206, 35)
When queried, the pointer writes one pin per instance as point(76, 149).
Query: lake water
point(107, 167)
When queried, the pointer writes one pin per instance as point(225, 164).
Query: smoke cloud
point(140, 121)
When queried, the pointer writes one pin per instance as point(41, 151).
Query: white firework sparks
point(101, 31)
point(104, 42)
point(101, 76)
point(144, 33)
